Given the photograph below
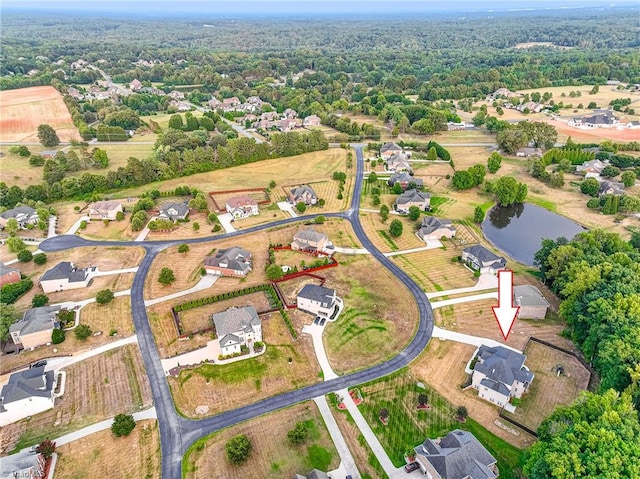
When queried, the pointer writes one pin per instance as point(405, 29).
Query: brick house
point(233, 261)
point(411, 198)
point(304, 194)
point(8, 275)
point(242, 207)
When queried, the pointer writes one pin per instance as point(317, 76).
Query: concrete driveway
point(287, 208)
point(225, 220)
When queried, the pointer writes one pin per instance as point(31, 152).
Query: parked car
point(412, 466)
point(37, 364)
point(322, 321)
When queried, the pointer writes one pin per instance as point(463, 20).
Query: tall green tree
point(494, 162)
point(8, 316)
point(238, 449)
point(48, 136)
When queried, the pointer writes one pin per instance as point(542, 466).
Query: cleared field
point(185, 230)
point(113, 230)
point(442, 365)
point(379, 319)
point(91, 456)
point(378, 232)
point(113, 382)
point(22, 110)
point(119, 154)
point(548, 389)
point(272, 455)
point(163, 120)
point(113, 316)
point(228, 386)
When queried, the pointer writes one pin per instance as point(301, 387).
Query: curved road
point(178, 433)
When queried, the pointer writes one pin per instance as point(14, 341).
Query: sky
point(244, 7)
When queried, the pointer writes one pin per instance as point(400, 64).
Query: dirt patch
point(96, 389)
point(225, 387)
point(91, 456)
point(271, 455)
point(22, 110)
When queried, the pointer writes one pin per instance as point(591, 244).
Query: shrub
point(183, 248)
point(82, 332)
point(25, 256)
point(395, 228)
point(237, 449)
point(478, 215)
point(166, 276)
point(414, 213)
point(119, 216)
point(11, 292)
point(322, 202)
point(105, 296)
point(39, 300)
point(40, 258)
point(122, 425)
point(319, 220)
point(196, 226)
point(15, 244)
point(593, 204)
point(299, 434)
point(57, 336)
point(301, 207)
point(83, 224)
point(46, 448)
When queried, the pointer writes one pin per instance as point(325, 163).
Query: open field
point(112, 230)
point(163, 119)
point(96, 389)
point(441, 365)
point(225, 387)
point(379, 319)
point(378, 232)
point(271, 455)
point(408, 427)
point(548, 390)
point(91, 456)
point(113, 316)
point(22, 110)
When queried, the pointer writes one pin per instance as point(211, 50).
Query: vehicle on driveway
point(412, 466)
point(37, 364)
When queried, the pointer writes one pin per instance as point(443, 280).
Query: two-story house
point(317, 300)
point(233, 261)
point(27, 393)
point(304, 194)
point(433, 228)
point(237, 327)
point(311, 240)
point(24, 215)
point(105, 210)
point(242, 207)
point(35, 327)
point(533, 305)
point(8, 275)
point(410, 198)
point(389, 149)
point(64, 276)
point(404, 179)
point(481, 259)
point(174, 211)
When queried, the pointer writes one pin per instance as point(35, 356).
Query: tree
point(274, 272)
point(82, 332)
point(100, 158)
point(46, 448)
point(299, 434)
point(432, 155)
point(237, 449)
point(12, 226)
point(301, 207)
point(414, 213)
point(511, 139)
point(319, 220)
point(373, 177)
point(8, 316)
point(104, 296)
point(594, 90)
point(478, 215)
point(397, 189)
point(590, 186)
point(597, 436)
point(47, 136)
point(477, 172)
point(39, 300)
point(183, 248)
point(166, 276)
point(462, 180)
point(15, 244)
point(40, 258)
point(635, 239)
point(384, 213)
point(196, 226)
point(395, 228)
point(494, 162)
point(57, 336)
point(610, 171)
point(20, 151)
point(628, 178)
point(384, 413)
point(25, 256)
point(122, 425)
point(119, 216)
point(462, 412)
point(422, 399)
point(272, 184)
point(508, 191)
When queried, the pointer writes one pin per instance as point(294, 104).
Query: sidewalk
point(468, 339)
point(339, 249)
point(205, 282)
point(76, 225)
point(465, 299)
point(485, 281)
point(63, 362)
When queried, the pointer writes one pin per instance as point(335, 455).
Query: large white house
point(481, 259)
point(35, 327)
point(237, 327)
point(105, 210)
point(64, 276)
point(318, 300)
point(24, 215)
point(28, 392)
point(242, 207)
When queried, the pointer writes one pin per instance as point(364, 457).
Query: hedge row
point(10, 293)
point(287, 321)
point(269, 290)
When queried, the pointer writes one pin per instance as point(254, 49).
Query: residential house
point(533, 304)
point(35, 327)
point(230, 104)
point(504, 93)
point(405, 179)
point(604, 119)
point(433, 228)
point(290, 113)
point(135, 85)
point(481, 259)
point(530, 106)
point(242, 207)
point(105, 210)
point(288, 124)
point(27, 393)
point(75, 93)
point(174, 211)
point(180, 105)
point(410, 198)
point(499, 374)
point(79, 65)
point(458, 455)
point(233, 261)
point(528, 151)
point(8, 275)
point(214, 103)
point(389, 149)
point(24, 464)
point(24, 215)
point(312, 241)
point(311, 120)
point(237, 327)
point(398, 162)
point(48, 154)
point(65, 276)
point(270, 116)
point(304, 194)
point(314, 474)
point(591, 169)
point(611, 188)
point(317, 300)
point(635, 124)
point(176, 95)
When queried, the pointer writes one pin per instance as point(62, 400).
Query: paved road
point(178, 433)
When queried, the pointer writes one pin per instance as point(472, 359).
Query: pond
point(519, 229)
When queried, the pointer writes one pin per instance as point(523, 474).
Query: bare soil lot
point(22, 110)
point(272, 455)
point(225, 387)
point(91, 456)
point(96, 388)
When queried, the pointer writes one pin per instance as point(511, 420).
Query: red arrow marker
point(505, 312)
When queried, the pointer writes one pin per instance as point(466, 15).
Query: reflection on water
point(501, 217)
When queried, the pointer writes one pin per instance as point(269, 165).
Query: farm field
point(548, 389)
point(379, 319)
point(271, 455)
point(22, 110)
point(225, 387)
point(95, 388)
point(91, 456)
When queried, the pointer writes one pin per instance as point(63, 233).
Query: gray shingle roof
point(4, 269)
point(495, 386)
point(36, 319)
point(431, 224)
point(458, 455)
point(234, 258)
point(413, 196)
point(313, 292)
point(482, 253)
point(390, 146)
point(235, 319)
point(611, 187)
point(301, 190)
point(181, 208)
point(18, 210)
point(65, 270)
point(404, 177)
point(528, 295)
point(502, 365)
point(32, 382)
point(16, 463)
point(309, 234)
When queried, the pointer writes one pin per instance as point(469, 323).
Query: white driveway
point(209, 353)
point(485, 281)
point(53, 220)
point(145, 231)
point(431, 244)
point(468, 339)
point(76, 225)
point(465, 299)
point(205, 282)
point(225, 220)
point(63, 362)
point(315, 331)
point(287, 208)
point(339, 249)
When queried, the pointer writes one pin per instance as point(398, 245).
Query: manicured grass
point(543, 203)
